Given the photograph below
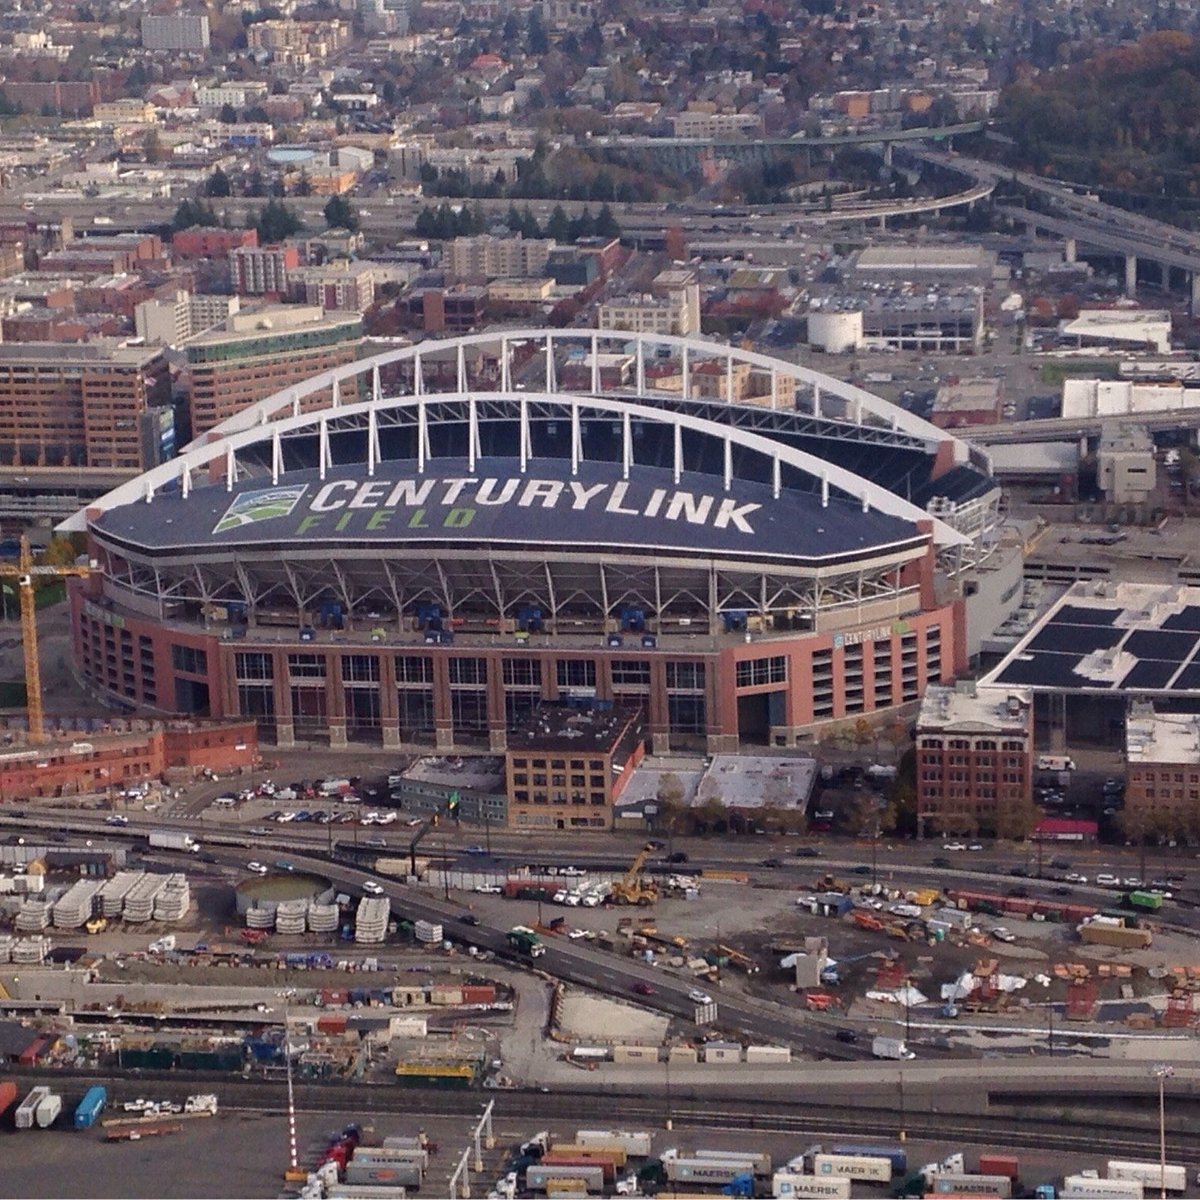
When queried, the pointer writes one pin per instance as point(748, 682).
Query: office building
point(497, 257)
point(1162, 756)
point(262, 270)
point(179, 31)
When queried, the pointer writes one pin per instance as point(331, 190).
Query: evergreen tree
point(340, 214)
point(218, 184)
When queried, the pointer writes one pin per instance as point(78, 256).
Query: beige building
point(699, 124)
point(672, 307)
point(1162, 756)
point(1126, 467)
point(169, 322)
point(520, 291)
point(495, 257)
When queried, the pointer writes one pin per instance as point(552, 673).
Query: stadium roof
point(596, 506)
point(1106, 638)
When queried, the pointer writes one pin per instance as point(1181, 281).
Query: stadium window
point(522, 672)
point(472, 671)
point(685, 676)
point(754, 672)
point(254, 666)
point(306, 666)
point(576, 672)
point(414, 668)
point(630, 672)
point(187, 658)
point(360, 668)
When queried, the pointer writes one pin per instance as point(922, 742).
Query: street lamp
point(1162, 1072)
point(287, 1058)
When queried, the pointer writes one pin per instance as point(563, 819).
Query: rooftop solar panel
point(1189, 618)
point(1075, 639)
point(1150, 674)
point(1072, 614)
point(1188, 680)
point(1156, 644)
point(1044, 670)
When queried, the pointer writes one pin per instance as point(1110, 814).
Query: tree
point(670, 798)
point(1017, 820)
point(539, 43)
point(275, 222)
point(558, 227)
point(228, 115)
point(606, 223)
point(340, 214)
point(193, 212)
point(218, 184)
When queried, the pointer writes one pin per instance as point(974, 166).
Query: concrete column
point(1131, 263)
point(1195, 293)
point(391, 737)
point(887, 154)
point(497, 740)
point(443, 738)
point(1070, 250)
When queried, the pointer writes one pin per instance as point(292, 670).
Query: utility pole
point(1162, 1073)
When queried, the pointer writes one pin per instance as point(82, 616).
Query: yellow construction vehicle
point(25, 572)
point(632, 888)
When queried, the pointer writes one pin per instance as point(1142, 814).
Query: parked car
point(696, 996)
point(954, 846)
point(807, 852)
point(849, 1036)
point(1003, 935)
point(372, 888)
point(1104, 879)
point(644, 989)
point(257, 867)
point(469, 919)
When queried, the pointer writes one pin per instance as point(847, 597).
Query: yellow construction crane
point(632, 888)
point(25, 573)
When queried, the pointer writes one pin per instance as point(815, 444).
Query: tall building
point(673, 306)
point(340, 286)
point(974, 757)
point(168, 322)
point(257, 352)
point(179, 31)
point(262, 270)
point(95, 404)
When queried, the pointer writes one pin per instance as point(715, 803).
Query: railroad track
point(686, 1111)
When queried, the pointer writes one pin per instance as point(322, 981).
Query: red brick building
point(206, 242)
point(974, 757)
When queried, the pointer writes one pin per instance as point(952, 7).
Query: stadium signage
point(356, 506)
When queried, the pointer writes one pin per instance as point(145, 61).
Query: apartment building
point(260, 351)
point(94, 404)
point(974, 757)
point(1162, 756)
point(262, 270)
point(171, 320)
point(497, 257)
point(340, 286)
point(673, 307)
point(179, 31)
point(699, 124)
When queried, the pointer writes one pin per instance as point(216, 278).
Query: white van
point(334, 787)
point(1055, 762)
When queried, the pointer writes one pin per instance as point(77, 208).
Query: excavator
point(631, 888)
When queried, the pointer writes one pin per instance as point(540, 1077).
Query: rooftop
point(578, 730)
point(967, 708)
point(925, 258)
point(1154, 737)
point(102, 352)
point(968, 395)
point(750, 781)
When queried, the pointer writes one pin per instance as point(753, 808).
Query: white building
point(1144, 329)
point(169, 322)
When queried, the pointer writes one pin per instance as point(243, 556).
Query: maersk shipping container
point(760, 1164)
point(896, 1154)
point(787, 1185)
point(704, 1170)
point(973, 1185)
point(868, 1168)
point(90, 1107)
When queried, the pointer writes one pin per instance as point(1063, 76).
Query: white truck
point(169, 839)
point(893, 1048)
point(1150, 1174)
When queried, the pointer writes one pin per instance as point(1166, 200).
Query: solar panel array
point(1166, 657)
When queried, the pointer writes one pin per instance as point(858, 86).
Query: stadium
point(417, 548)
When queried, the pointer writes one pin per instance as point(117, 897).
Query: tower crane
point(25, 572)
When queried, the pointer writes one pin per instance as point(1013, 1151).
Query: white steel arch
point(864, 407)
point(218, 457)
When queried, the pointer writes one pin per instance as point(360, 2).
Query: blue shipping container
point(90, 1107)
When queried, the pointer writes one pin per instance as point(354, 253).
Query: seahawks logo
point(263, 505)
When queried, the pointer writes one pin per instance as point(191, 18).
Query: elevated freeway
point(1060, 429)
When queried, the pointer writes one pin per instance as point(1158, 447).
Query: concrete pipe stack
point(73, 909)
point(429, 933)
point(322, 918)
point(139, 902)
point(260, 917)
point(371, 921)
point(32, 917)
point(291, 916)
point(113, 892)
point(27, 951)
point(173, 902)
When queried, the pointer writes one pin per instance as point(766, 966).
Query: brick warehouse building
point(426, 569)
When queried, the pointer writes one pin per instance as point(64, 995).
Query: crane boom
point(24, 573)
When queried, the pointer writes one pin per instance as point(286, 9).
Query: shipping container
point(1000, 1164)
point(707, 1171)
point(8, 1095)
point(1115, 935)
point(973, 1185)
point(613, 1154)
point(864, 1167)
point(635, 1144)
point(348, 1191)
point(48, 1110)
point(1149, 1173)
point(1149, 900)
point(1084, 1187)
point(90, 1107)
point(786, 1185)
point(537, 1176)
point(386, 1154)
point(556, 1159)
point(758, 1164)
point(397, 1174)
point(897, 1155)
point(28, 1107)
